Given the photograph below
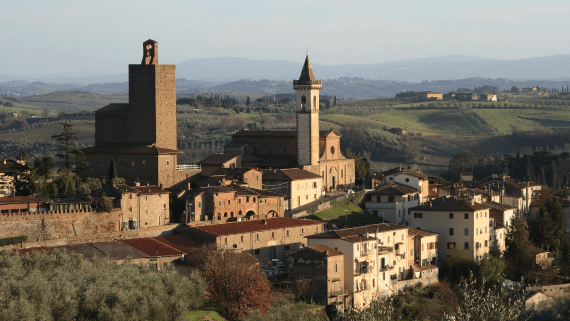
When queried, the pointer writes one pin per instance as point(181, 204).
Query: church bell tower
point(307, 96)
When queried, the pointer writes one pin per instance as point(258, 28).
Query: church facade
point(306, 147)
point(140, 136)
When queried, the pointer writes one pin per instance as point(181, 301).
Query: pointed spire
point(307, 73)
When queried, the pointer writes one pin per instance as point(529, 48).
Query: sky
point(43, 37)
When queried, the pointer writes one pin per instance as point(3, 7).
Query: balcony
point(188, 167)
point(385, 250)
point(386, 268)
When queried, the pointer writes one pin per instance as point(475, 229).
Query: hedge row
point(13, 240)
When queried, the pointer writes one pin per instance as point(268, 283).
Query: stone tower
point(307, 95)
point(152, 97)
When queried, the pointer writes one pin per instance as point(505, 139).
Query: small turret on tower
point(150, 53)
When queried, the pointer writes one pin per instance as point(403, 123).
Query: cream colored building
point(409, 177)
point(299, 186)
point(460, 224)
point(391, 201)
point(376, 259)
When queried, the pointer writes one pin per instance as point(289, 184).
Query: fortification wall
point(59, 224)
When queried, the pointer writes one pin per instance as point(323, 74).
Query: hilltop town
point(293, 206)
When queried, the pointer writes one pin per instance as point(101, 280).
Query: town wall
point(59, 224)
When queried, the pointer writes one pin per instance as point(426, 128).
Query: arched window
point(314, 103)
point(225, 214)
point(219, 216)
point(303, 102)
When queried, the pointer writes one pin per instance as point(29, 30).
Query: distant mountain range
point(228, 69)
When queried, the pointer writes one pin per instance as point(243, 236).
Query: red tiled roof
point(153, 189)
point(394, 188)
point(152, 247)
point(22, 199)
point(289, 174)
point(254, 226)
point(179, 242)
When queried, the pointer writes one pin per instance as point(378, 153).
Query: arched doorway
point(272, 214)
point(250, 215)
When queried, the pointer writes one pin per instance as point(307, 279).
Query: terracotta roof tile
point(152, 247)
point(179, 242)
point(394, 189)
point(290, 174)
point(449, 204)
point(22, 199)
point(255, 225)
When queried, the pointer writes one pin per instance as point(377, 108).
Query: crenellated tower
point(307, 95)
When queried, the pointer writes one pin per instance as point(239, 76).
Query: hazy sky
point(45, 37)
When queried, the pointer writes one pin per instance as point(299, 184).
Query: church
point(307, 147)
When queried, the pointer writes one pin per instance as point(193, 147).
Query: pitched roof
point(128, 148)
point(414, 231)
point(394, 188)
point(179, 242)
point(354, 234)
point(289, 174)
point(152, 247)
point(449, 204)
point(499, 206)
point(307, 72)
point(152, 189)
point(400, 170)
point(22, 199)
point(218, 159)
point(255, 226)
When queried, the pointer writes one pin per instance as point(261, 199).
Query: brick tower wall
point(308, 127)
point(152, 100)
point(110, 127)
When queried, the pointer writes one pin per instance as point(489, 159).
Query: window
point(146, 198)
point(272, 235)
point(257, 178)
point(199, 204)
point(486, 243)
point(466, 215)
point(314, 184)
point(342, 173)
point(466, 231)
point(229, 202)
point(130, 209)
point(241, 239)
point(143, 163)
point(302, 231)
point(163, 206)
point(485, 229)
point(257, 252)
point(287, 233)
point(257, 237)
point(451, 231)
point(306, 197)
point(132, 163)
point(476, 215)
point(167, 163)
point(418, 215)
point(450, 245)
point(146, 211)
point(219, 203)
point(466, 245)
point(122, 163)
point(226, 240)
point(391, 199)
point(451, 215)
point(336, 267)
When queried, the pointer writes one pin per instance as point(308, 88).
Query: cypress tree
point(112, 169)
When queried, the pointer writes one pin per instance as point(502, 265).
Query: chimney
point(147, 184)
point(137, 183)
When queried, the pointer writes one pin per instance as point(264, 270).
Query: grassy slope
point(69, 101)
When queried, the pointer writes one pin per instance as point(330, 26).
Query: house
point(299, 186)
point(216, 161)
point(487, 97)
point(501, 213)
point(459, 223)
point(375, 259)
point(428, 95)
point(323, 268)
point(23, 204)
point(243, 176)
point(221, 204)
point(141, 206)
point(391, 201)
point(409, 177)
point(265, 239)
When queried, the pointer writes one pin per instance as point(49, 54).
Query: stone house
point(323, 268)
point(249, 177)
point(461, 224)
point(511, 191)
point(501, 213)
point(428, 95)
point(487, 97)
point(265, 239)
point(141, 206)
point(221, 204)
point(216, 161)
point(299, 186)
point(391, 201)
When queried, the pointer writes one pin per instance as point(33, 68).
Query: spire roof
point(307, 72)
